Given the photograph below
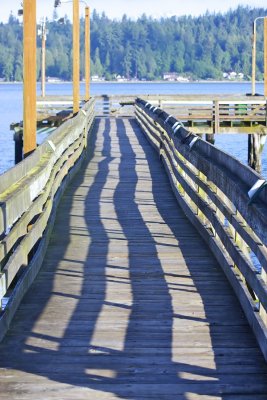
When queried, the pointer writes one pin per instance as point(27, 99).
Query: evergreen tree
point(200, 47)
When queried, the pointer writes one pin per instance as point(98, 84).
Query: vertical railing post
point(76, 56)
point(254, 151)
point(29, 76)
point(87, 53)
point(216, 121)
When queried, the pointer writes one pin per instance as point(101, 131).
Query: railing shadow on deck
point(70, 358)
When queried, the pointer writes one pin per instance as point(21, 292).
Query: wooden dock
point(201, 113)
point(153, 282)
point(130, 303)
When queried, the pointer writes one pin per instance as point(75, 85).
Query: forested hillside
point(198, 47)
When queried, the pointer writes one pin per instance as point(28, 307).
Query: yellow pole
point(265, 56)
point(29, 76)
point(253, 74)
point(76, 56)
point(87, 53)
point(43, 57)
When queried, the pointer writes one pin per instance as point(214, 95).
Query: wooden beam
point(76, 56)
point(87, 53)
point(29, 76)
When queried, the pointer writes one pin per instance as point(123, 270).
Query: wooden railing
point(202, 113)
point(29, 196)
point(219, 114)
point(227, 203)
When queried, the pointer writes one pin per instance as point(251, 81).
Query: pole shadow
point(118, 272)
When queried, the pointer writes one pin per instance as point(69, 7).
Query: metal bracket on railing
point(186, 138)
point(193, 142)
point(180, 125)
point(167, 119)
point(8, 229)
point(51, 144)
point(177, 126)
point(256, 189)
point(84, 112)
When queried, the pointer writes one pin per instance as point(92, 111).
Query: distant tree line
point(200, 47)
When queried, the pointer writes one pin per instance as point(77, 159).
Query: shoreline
point(140, 82)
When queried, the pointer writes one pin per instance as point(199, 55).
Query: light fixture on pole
point(43, 33)
point(254, 44)
point(87, 50)
point(87, 53)
point(76, 51)
point(75, 54)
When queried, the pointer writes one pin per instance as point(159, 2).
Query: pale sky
point(134, 8)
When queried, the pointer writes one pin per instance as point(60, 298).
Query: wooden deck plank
point(129, 304)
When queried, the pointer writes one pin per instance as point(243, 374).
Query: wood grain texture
point(204, 215)
point(130, 303)
point(29, 77)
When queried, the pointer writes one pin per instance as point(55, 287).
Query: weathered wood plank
point(130, 303)
point(231, 251)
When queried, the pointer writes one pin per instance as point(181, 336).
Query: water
point(11, 109)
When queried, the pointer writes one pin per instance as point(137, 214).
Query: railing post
point(210, 138)
point(216, 121)
point(256, 143)
point(202, 195)
point(29, 76)
point(18, 139)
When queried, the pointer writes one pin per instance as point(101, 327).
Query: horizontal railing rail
point(29, 195)
point(225, 200)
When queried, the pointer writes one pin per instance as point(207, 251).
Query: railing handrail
point(13, 176)
point(28, 205)
point(243, 173)
point(214, 190)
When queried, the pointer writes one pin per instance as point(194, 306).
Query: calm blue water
point(11, 109)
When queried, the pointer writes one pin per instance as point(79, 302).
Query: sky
point(133, 8)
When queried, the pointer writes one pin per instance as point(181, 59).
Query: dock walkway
point(130, 303)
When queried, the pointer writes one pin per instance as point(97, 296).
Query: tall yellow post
point(29, 76)
point(265, 56)
point(87, 53)
point(76, 56)
point(43, 28)
point(253, 74)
